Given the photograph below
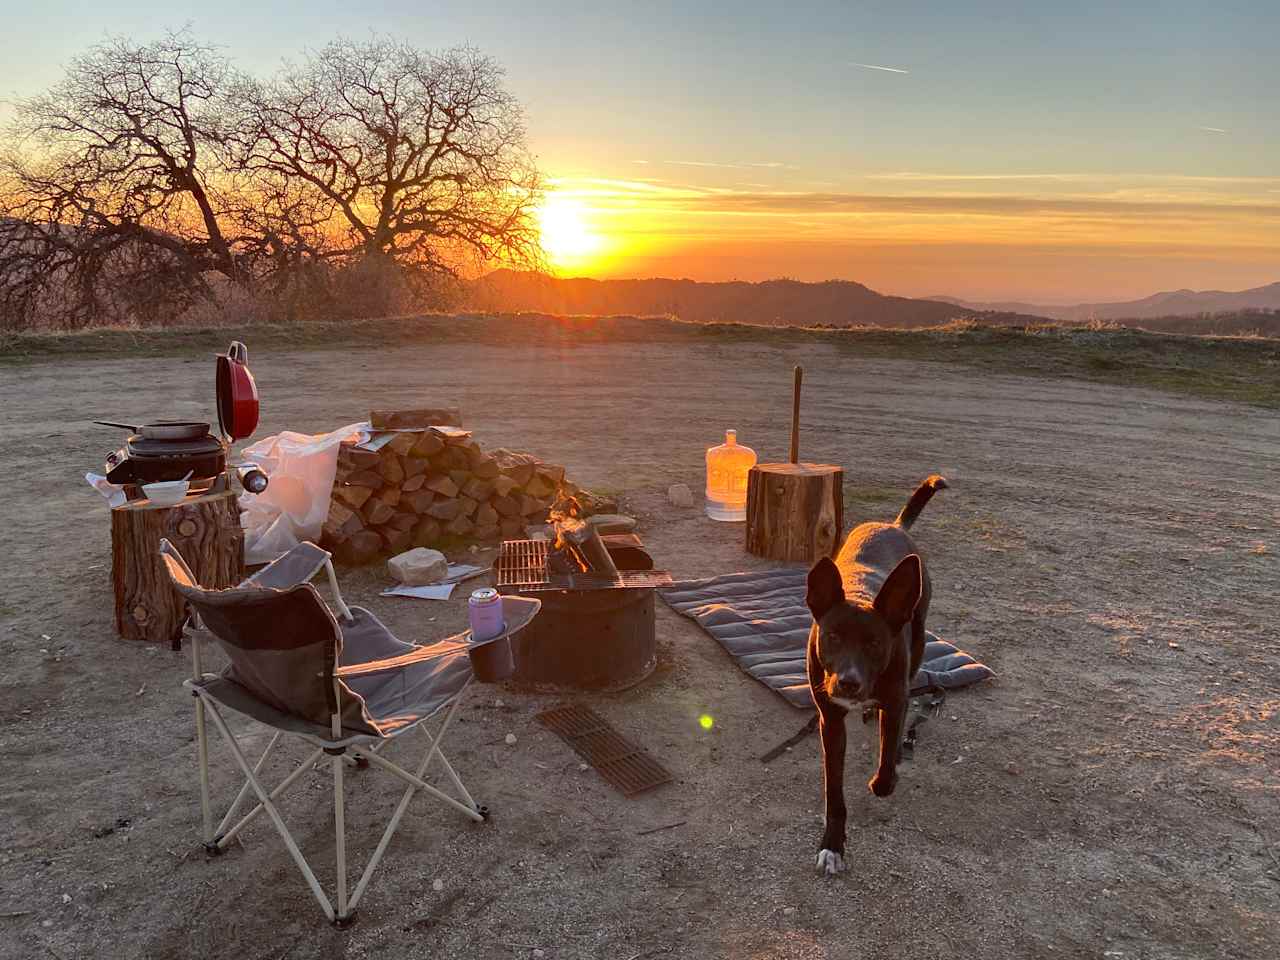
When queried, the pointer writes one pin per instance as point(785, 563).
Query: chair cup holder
point(492, 661)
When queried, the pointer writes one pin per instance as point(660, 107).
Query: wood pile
point(429, 483)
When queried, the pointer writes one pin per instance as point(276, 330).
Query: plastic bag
point(294, 506)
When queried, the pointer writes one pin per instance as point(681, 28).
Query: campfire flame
point(566, 518)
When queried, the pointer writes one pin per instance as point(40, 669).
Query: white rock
point(788, 911)
point(66, 898)
point(437, 885)
point(510, 739)
point(584, 766)
point(680, 495)
point(538, 954)
point(418, 567)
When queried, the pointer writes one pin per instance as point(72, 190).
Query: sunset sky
point(994, 149)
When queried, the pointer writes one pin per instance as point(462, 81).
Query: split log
point(486, 468)
point(390, 468)
point(395, 541)
point(459, 526)
point(426, 532)
point(477, 489)
point(402, 522)
point(205, 530)
point(443, 486)
point(507, 507)
point(402, 443)
point(413, 483)
point(518, 466)
point(341, 523)
point(486, 516)
point(359, 549)
point(353, 496)
point(376, 513)
point(389, 495)
point(350, 456)
point(415, 466)
point(795, 511)
point(418, 501)
point(417, 418)
point(466, 506)
point(502, 486)
point(365, 478)
point(540, 486)
point(443, 510)
point(427, 445)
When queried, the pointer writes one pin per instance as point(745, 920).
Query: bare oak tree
point(114, 194)
point(421, 157)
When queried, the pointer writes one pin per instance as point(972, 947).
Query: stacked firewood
point(433, 486)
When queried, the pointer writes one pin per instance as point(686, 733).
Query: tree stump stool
point(206, 531)
point(795, 511)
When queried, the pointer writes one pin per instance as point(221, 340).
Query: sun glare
point(567, 237)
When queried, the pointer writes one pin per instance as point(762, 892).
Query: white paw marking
point(830, 862)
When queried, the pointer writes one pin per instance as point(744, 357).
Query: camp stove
point(595, 630)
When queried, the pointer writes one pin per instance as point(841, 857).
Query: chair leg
point(202, 753)
point(285, 784)
point(244, 790)
point(274, 814)
point(340, 839)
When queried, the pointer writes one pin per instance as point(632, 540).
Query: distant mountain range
point(840, 303)
point(843, 303)
point(1171, 303)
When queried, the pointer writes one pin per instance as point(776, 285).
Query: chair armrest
point(291, 569)
point(441, 649)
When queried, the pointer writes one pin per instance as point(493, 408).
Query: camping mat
point(761, 620)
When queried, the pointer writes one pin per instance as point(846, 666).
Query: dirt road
point(1111, 553)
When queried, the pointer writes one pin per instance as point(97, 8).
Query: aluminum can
point(484, 611)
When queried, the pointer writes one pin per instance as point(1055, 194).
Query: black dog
point(866, 643)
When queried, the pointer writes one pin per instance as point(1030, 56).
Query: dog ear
point(897, 599)
point(825, 588)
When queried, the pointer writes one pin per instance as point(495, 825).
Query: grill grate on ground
point(622, 764)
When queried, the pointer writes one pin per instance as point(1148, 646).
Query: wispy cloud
point(1213, 129)
point(908, 175)
point(872, 66)
point(744, 165)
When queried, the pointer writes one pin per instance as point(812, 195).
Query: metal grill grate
point(521, 567)
point(620, 762)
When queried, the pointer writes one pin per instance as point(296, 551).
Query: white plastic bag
point(300, 468)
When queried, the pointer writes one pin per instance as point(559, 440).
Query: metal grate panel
point(521, 567)
point(622, 764)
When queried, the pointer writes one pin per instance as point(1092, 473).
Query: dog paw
point(882, 785)
point(830, 862)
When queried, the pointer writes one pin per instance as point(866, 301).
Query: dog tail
point(924, 493)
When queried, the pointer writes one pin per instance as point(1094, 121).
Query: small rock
point(1174, 645)
point(584, 766)
point(66, 898)
point(538, 954)
point(437, 885)
point(510, 739)
point(1012, 769)
point(499, 703)
point(46, 923)
point(788, 911)
point(418, 567)
point(954, 718)
point(680, 495)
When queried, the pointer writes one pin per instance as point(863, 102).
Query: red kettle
point(237, 393)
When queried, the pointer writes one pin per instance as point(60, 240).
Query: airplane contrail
point(1213, 129)
point(872, 66)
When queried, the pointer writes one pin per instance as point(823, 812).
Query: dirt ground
point(1110, 552)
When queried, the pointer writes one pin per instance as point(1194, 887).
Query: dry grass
point(1240, 368)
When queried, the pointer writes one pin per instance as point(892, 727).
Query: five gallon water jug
point(727, 467)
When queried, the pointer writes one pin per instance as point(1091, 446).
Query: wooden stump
point(206, 531)
point(795, 511)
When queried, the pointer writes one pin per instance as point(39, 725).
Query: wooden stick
point(795, 416)
point(665, 826)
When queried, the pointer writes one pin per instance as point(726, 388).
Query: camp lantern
point(727, 467)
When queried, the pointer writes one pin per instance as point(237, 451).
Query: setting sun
point(567, 236)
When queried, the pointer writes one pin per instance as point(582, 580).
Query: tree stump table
point(206, 531)
point(795, 511)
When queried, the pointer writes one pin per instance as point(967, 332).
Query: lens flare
point(706, 721)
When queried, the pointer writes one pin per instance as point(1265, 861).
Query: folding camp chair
point(345, 685)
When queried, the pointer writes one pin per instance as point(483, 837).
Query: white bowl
point(166, 492)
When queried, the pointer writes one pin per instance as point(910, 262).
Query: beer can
point(484, 611)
